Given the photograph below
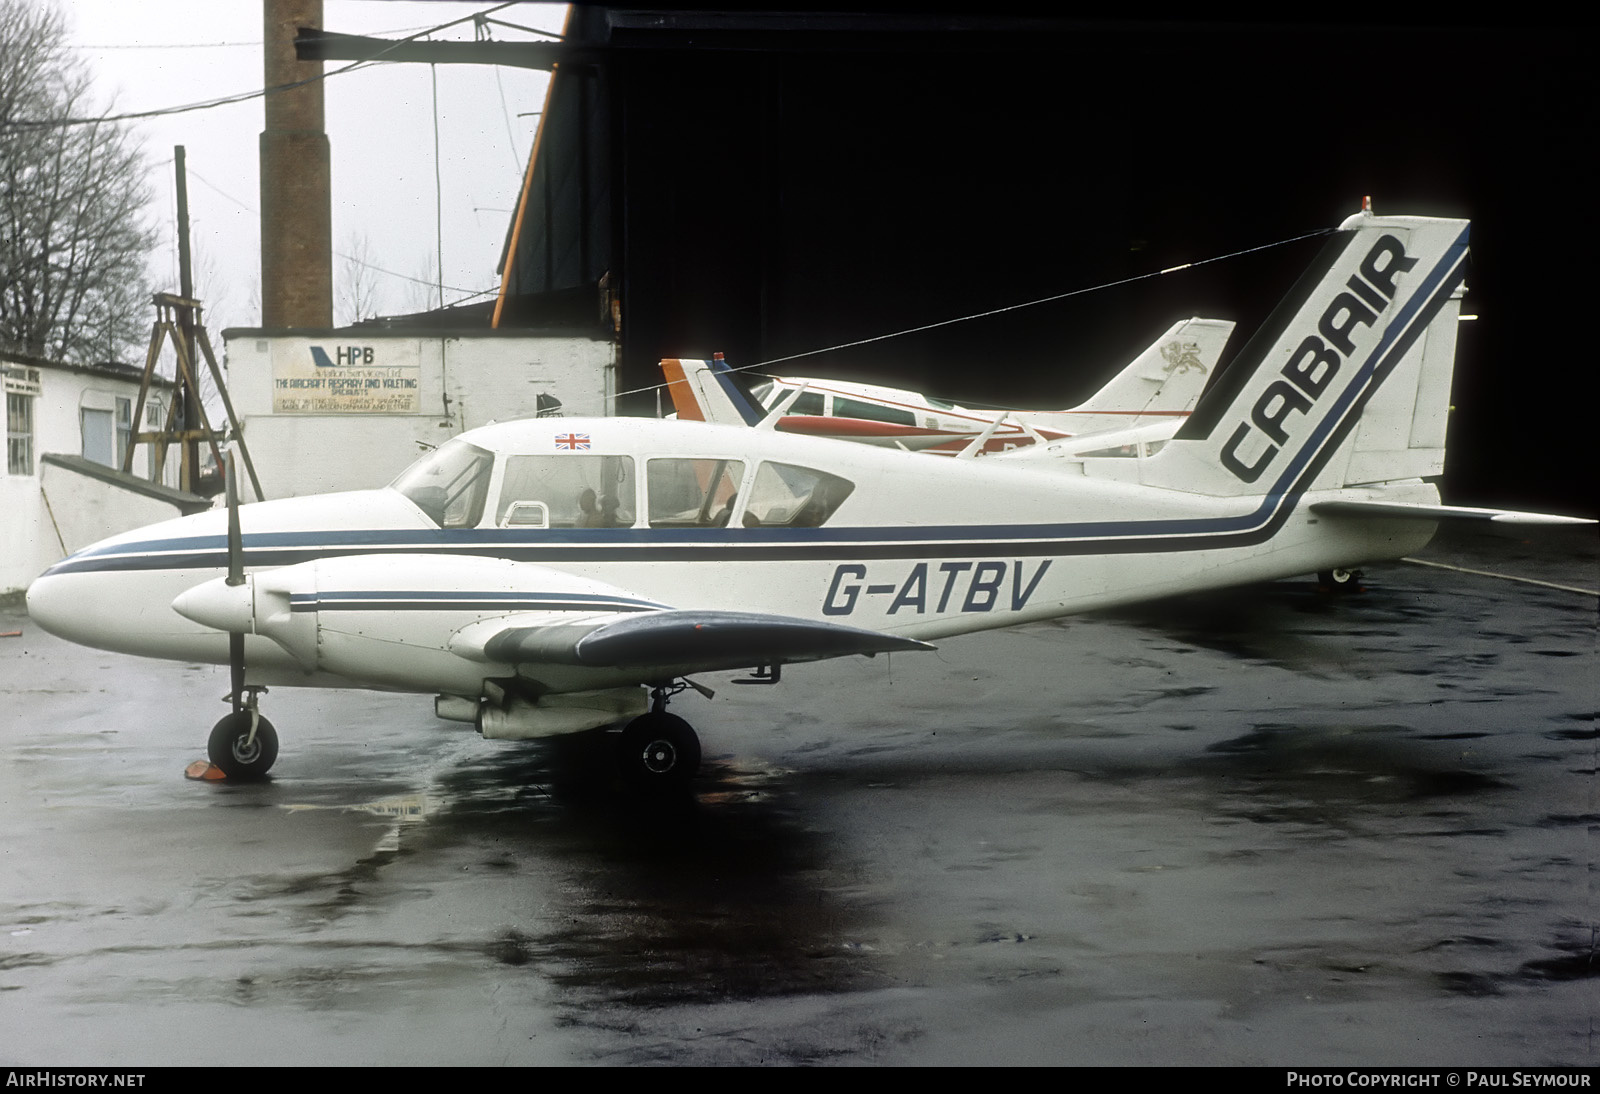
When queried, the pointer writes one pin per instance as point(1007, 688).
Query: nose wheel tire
point(232, 749)
point(660, 751)
point(1340, 581)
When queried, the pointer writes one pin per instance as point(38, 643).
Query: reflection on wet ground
point(1270, 826)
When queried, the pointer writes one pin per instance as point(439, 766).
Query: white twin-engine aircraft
point(1157, 389)
point(550, 576)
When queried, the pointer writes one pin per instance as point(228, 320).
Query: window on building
point(99, 439)
point(105, 424)
point(154, 420)
point(124, 429)
point(19, 433)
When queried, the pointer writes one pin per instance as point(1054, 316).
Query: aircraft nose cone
point(220, 605)
point(52, 608)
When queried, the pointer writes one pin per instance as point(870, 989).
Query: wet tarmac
point(1271, 826)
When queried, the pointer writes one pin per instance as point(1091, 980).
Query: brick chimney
point(296, 189)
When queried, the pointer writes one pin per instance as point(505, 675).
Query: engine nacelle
point(388, 620)
point(519, 719)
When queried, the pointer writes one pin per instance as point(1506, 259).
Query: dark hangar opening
point(771, 183)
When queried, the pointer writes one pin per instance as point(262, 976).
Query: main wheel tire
point(660, 751)
point(1340, 580)
point(231, 749)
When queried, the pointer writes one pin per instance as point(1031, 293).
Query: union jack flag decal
point(572, 441)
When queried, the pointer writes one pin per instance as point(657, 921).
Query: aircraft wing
point(707, 640)
point(1418, 511)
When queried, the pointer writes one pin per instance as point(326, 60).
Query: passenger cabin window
point(449, 484)
point(787, 496)
point(693, 493)
point(560, 491)
point(872, 412)
point(1116, 451)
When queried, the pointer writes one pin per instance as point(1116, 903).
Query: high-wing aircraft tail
point(1165, 379)
point(709, 391)
point(1347, 383)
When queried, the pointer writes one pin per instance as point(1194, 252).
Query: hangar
point(774, 183)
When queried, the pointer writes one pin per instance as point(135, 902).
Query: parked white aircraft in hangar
point(1160, 386)
point(541, 577)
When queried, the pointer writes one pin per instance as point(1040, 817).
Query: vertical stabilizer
point(1166, 378)
point(1348, 381)
point(709, 391)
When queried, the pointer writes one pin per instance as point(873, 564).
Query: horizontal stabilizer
point(707, 640)
point(1409, 511)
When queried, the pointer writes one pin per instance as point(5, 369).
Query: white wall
point(83, 509)
point(461, 382)
point(29, 540)
point(27, 544)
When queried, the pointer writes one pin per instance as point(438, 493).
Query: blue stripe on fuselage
point(462, 600)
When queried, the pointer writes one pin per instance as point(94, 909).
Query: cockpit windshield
point(449, 484)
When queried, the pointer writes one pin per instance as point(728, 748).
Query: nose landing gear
point(244, 745)
point(1339, 581)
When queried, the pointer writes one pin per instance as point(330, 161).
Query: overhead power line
point(214, 45)
point(1007, 308)
point(243, 96)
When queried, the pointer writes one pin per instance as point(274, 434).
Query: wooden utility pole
point(188, 398)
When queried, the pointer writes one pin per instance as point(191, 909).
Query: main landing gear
point(660, 751)
point(244, 745)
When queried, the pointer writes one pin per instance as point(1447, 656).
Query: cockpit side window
point(449, 484)
point(693, 493)
point(562, 491)
point(784, 495)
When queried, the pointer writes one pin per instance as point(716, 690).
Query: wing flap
point(708, 640)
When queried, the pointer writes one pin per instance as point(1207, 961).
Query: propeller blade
point(235, 540)
point(236, 668)
point(235, 577)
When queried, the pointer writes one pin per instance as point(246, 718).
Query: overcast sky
point(164, 53)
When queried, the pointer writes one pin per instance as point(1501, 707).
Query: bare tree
point(421, 293)
point(356, 297)
point(73, 233)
